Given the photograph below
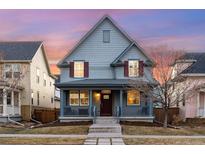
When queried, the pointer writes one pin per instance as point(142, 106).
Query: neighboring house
point(192, 66)
point(96, 73)
point(27, 65)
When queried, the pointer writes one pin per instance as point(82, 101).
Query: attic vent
point(106, 36)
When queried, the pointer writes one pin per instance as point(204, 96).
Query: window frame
point(74, 69)
point(79, 104)
point(133, 104)
point(37, 75)
point(104, 32)
point(138, 73)
point(1, 97)
point(16, 103)
point(44, 79)
point(38, 98)
point(10, 104)
point(13, 71)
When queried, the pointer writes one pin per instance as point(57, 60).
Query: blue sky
point(61, 29)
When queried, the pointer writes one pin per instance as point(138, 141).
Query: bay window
point(133, 66)
point(16, 71)
point(133, 97)
point(79, 98)
point(8, 70)
point(79, 69)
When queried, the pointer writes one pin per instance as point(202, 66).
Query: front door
point(106, 105)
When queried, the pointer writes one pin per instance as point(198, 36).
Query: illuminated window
point(84, 98)
point(133, 97)
point(74, 98)
point(133, 68)
point(79, 69)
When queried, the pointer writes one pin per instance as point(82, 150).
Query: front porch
point(10, 104)
point(104, 102)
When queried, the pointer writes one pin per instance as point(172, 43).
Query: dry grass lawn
point(153, 130)
point(140, 141)
point(76, 129)
point(42, 141)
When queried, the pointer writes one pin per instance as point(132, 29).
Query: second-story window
point(16, 71)
point(79, 69)
point(106, 36)
point(44, 79)
point(37, 75)
point(8, 71)
point(133, 66)
point(12, 71)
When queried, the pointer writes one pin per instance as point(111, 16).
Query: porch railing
point(94, 114)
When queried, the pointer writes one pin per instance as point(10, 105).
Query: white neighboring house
point(35, 89)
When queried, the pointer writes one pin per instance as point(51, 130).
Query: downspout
point(36, 121)
point(18, 123)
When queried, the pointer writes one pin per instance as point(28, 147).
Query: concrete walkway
point(106, 131)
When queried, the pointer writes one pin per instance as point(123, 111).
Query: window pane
point(133, 97)
point(79, 69)
point(16, 99)
point(16, 70)
point(44, 79)
point(74, 98)
point(1, 96)
point(8, 98)
point(84, 95)
point(133, 68)
point(37, 75)
point(8, 71)
point(106, 36)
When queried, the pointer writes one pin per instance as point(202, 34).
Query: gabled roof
point(19, 51)
point(127, 49)
point(198, 66)
point(93, 29)
point(22, 51)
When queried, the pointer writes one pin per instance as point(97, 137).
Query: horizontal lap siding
point(99, 55)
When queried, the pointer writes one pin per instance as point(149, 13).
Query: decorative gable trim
point(127, 49)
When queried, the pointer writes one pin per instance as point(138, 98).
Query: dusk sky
point(61, 29)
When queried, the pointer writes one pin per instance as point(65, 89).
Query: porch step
point(106, 120)
point(102, 128)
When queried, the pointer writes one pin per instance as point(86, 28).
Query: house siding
point(99, 55)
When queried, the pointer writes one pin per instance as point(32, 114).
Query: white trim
point(198, 105)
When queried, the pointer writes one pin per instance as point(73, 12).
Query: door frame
point(110, 101)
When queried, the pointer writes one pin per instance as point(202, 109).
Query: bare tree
point(10, 80)
point(170, 87)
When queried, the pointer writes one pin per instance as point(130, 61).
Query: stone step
point(106, 120)
point(100, 128)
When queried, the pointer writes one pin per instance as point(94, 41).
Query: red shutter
point(141, 68)
point(86, 69)
point(71, 69)
point(126, 71)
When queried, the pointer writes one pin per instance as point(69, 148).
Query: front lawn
point(158, 141)
point(72, 129)
point(155, 130)
point(42, 141)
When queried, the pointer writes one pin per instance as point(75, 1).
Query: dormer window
point(79, 69)
point(106, 36)
point(133, 66)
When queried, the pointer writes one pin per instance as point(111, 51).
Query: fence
point(46, 115)
point(159, 114)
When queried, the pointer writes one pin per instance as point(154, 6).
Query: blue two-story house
point(95, 76)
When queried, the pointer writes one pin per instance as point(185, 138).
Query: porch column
point(121, 102)
point(12, 102)
point(62, 102)
point(198, 104)
point(19, 102)
point(4, 103)
point(90, 102)
point(150, 106)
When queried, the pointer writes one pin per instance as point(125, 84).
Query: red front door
point(106, 105)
